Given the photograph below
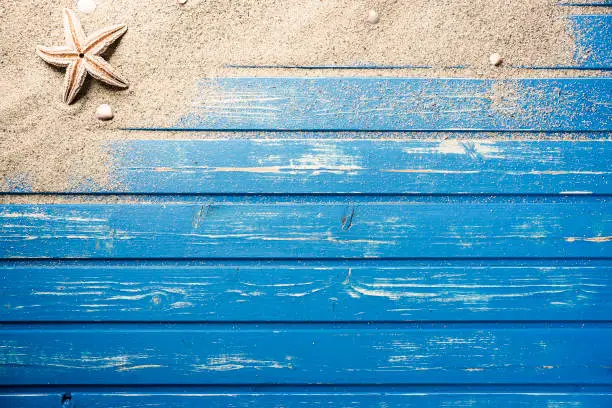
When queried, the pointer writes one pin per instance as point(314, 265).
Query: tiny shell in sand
point(104, 112)
point(373, 17)
point(495, 59)
point(86, 6)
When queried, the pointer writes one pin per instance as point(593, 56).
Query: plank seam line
point(288, 324)
point(572, 387)
point(37, 259)
point(268, 130)
point(121, 194)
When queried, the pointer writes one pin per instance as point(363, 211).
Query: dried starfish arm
point(100, 40)
point(102, 70)
point(73, 31)
point(75, 76)
point(60, 56)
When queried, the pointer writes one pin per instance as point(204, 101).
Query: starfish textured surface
point(81, 54)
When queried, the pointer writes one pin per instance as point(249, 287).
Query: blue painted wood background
point(370, 242)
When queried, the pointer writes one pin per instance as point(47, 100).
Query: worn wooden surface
point(473, 164)
point(294, 353)
point(309, 291)
point(340, 255)
point(394, 104)
point(275, 228)
point(336, 397)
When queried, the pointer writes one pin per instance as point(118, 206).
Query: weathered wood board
point(309, 291)
point(338, 163)
point(395, 104)
point(326, 264)
point(476, 165)
point(307, 228)
point(291, 353)
point(355, 397)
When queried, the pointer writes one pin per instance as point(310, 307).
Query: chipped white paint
point(473, 148)
point(431, 171)
point(50, 217)
point(589, 239)
point(181, 305)
point(64, 293)
point(393, 295)
point(140, 367)
point(300, 294)
point(561, 172)
point(232, 362)
point(277, 285)
point(327, 158)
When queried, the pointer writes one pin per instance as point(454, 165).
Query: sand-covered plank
point(401, 104)
point(593, 36)
point(375, 166)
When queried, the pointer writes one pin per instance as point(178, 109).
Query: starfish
point(81, 54)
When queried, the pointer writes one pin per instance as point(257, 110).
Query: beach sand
point(46, 145)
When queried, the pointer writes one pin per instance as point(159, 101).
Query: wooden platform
point(362, 242)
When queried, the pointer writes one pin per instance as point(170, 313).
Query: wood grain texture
point(391, 397)
point(401, 104)
point(454, 166)
point(139, 353)
point(475, 165)
point(463, 272)
point(306, 291)
point(312, 227)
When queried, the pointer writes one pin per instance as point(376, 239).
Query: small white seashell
point(181, 2)
point(495, 59)
point(372, 17)
point(86, 6)
point(104, 112)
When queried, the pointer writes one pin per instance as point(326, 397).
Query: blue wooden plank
point(110, 354)
point(372, 166)
point(29, 399)
point(312, 227)
point(323, 166)
point(306, 291)
point(593, 37)
point(235, 397)
point(401, 104)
